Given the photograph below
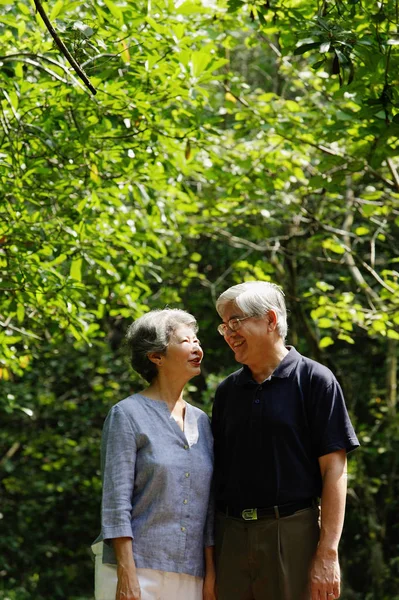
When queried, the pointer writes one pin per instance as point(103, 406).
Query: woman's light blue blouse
point(156, 485)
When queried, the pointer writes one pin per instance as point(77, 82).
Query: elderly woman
point(157, 461)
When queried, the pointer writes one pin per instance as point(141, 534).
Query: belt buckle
point(250, 514)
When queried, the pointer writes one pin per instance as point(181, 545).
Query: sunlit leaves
point(88, 198)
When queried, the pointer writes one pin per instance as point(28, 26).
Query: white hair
point(255, 299)
point(151, 333)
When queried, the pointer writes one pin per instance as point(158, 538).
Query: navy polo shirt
point(269, 436)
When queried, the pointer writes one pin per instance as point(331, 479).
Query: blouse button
point(183, 529)
point(185, 501)
point(187, 474)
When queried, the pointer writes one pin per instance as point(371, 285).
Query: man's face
point(251, 341)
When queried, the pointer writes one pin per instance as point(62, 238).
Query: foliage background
point(226, 141)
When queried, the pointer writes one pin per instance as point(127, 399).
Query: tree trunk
point(392, 375)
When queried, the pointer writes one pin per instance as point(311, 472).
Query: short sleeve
point(216, 420)
point(332, 429)
point(118, 459)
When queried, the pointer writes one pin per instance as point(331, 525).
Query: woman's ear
point(156, 358)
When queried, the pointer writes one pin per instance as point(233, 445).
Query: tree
point(224, 142)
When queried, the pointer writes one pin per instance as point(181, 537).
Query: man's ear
point(156, 358)
point(272, 320)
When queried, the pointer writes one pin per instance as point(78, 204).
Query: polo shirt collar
point(284, 369)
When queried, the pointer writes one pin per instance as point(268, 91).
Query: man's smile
point(238, 343)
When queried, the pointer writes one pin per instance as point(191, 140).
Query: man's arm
point(325, 572)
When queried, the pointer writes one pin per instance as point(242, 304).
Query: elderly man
point(281, 433)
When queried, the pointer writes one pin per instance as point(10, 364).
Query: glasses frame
point(233, 324)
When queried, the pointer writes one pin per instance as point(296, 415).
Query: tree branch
point(394, 172)
point(36, 64)
point(63, 48)
point(348, 257)
point(10, 452)
point(18, 330)
point(350, 159)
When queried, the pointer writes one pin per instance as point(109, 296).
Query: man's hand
point(325, 578)
point(325, 574)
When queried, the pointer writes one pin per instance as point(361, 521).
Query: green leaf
point(325, 342)
point(346, 338)
point(20, 312)
point(324, 286)
point(55, 11)
point(324, 323)
point(343, 58)
point(76, 269)
point(316, 65)
point(378, 326)
point(23, 8)
point(114, 10)
point(334, 246)
point(362, 230)
point(199, 62)
point(305, 48)
point(109, 267)
point(57, 261)
point(234, 5)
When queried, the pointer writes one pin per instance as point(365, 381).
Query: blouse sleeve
point(210, 515)
point(118, 461)
point(209, 523)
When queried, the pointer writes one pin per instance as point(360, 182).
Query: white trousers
point(154, 585)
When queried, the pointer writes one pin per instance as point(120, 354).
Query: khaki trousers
point(154, 585)
point(267, 559)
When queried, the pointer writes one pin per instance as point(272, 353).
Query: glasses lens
point(222, 328)
point(234, 324)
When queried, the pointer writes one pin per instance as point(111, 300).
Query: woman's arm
point(209, 589)
point(128, 587)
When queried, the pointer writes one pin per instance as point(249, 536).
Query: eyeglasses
point(232, 324)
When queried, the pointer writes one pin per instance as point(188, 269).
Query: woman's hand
point(209, 588)
point(128, 587)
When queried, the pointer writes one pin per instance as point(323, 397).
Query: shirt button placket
point(186, 496)
point(258, 394)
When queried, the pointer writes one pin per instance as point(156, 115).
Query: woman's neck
point(170, 392)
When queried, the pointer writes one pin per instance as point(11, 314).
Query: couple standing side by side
point(281, 434)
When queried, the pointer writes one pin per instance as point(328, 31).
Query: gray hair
point(255, 299)
point(151, 333)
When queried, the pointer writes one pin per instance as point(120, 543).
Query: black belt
point(282, 510)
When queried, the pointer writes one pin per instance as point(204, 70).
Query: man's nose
point(229, 332)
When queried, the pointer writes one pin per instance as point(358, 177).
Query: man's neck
point(264, 368)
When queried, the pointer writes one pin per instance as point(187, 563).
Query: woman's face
point(184, 353)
